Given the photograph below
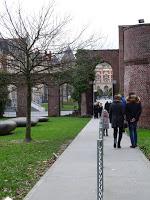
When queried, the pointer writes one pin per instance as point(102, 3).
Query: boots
point(115, 143)
point(106, 132)
point(118, 145)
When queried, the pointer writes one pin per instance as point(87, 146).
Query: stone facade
point(103, 78)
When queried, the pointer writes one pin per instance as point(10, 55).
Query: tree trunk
point(67, 91)
point(79, 105)
point(83, 104)
point(62, 96)
point(28, 115)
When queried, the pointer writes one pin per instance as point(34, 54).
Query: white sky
point(103, 17)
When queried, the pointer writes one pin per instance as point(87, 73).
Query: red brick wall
point(137, 79)
point(137, 67)
point(137, 43)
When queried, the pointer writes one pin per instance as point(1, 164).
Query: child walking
point(105, 121)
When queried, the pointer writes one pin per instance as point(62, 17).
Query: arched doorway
point(103, 83)
point(95, 57)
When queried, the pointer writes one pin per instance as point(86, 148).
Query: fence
point(100, 187)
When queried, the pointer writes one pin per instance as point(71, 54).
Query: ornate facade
point(103, 78)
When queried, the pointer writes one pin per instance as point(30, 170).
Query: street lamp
point(113, 87)
point(94, 91)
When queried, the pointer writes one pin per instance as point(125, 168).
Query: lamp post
point(94, 91)
point(113, 87)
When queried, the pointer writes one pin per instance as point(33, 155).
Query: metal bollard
point(100, 129)
point(100, 187)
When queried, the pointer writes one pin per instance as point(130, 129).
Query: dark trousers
point(95, 114)
point(116, 131)
point(105, 130)
point(133, 133)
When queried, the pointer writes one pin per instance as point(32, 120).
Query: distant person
point(123, 100)
point(107, 106)
point(133, 112)
point(105, 121)
point(96, 109)
point(100, 108)
point(116, 115)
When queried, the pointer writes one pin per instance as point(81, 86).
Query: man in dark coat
point(100, 108)
point(133, 112)
point(116, 115)
point(96, 109)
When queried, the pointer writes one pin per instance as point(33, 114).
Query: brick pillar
point(53, 100)
point(121, 57)
point(21, 101)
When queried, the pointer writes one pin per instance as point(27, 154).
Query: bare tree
point(27, 40)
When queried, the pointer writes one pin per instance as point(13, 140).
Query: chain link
point(100, 163)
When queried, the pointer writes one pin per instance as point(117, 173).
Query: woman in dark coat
point(116, 115)
point(133, 112)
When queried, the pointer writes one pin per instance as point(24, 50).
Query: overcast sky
point(102, 17)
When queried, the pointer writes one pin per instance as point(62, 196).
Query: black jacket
point(133, 110)
point(116, 114)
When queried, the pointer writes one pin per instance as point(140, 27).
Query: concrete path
point(73, 175)
point(126, 172)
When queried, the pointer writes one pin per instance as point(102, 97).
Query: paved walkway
point(73, 175)
point(126, 172)
point(37, 113)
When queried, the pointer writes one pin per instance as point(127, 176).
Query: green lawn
point(144, 141)
point(21, 164)
point(66, 106)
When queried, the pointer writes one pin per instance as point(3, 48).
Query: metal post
point(100, 129)
point(100, 163)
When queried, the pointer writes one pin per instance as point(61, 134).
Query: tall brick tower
point(134, 52)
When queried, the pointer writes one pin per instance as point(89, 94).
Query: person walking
point(123, 100)
point(133, 111)
point(105, 121)
point(107, 106)
point(116, 115)
point(96, 109)
point(100, 108)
